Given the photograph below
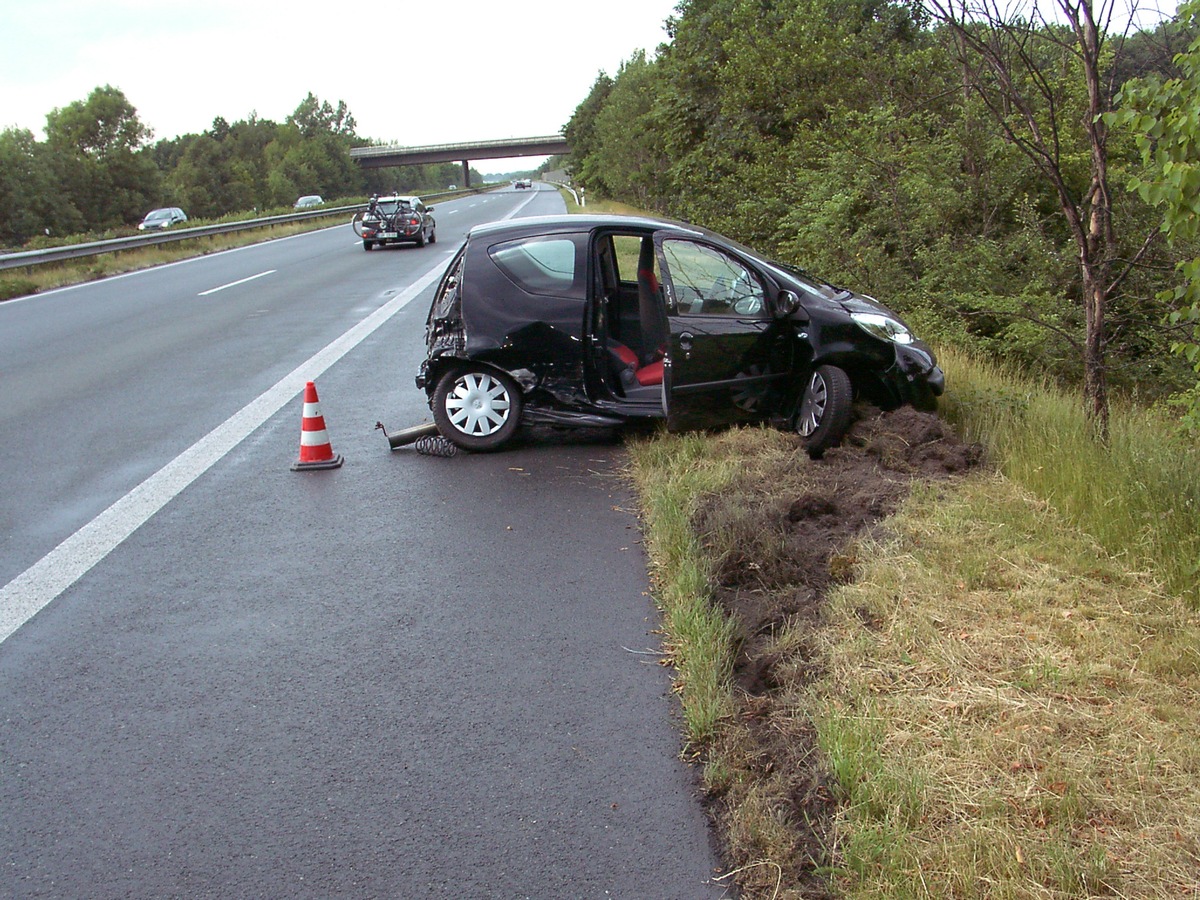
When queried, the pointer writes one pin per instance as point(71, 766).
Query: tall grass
point(1138, 494)
point(1007, 710)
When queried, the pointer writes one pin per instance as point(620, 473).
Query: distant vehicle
point(396, 220)
point(309, 200)
point(158, 219)
point(523, 183)
point(452, 187)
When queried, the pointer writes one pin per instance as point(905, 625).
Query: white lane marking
point(33, 589)
point(516, 210)
point(235, 283)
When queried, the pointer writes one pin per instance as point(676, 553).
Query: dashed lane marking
point(23, 597)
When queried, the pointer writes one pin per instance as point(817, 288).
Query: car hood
point(861, 303)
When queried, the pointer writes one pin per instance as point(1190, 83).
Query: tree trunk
point(1095, 370)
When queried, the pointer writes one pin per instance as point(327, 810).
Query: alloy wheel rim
point(479, 404)
point(813, 407)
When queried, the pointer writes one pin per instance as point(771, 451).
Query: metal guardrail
point(27, 258)
point(94, 248)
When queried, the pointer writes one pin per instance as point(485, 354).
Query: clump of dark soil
point(782, 538)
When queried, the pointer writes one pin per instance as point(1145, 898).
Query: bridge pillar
point(466, 173)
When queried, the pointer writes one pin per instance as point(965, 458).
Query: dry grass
point(997, 706)
point(1010, 712)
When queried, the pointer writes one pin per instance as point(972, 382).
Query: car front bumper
point(916, 377)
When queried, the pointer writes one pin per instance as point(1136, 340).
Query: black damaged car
point(601, 320)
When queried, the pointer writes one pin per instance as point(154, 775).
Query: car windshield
point(158, 214)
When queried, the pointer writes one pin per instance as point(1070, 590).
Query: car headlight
point(883, 327)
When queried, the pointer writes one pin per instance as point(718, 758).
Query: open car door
point(726, 355)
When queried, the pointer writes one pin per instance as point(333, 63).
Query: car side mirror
point(429, 209)
point(787, 304)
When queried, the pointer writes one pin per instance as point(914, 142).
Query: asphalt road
point(407, 677)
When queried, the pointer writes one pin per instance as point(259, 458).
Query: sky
point(411, 73)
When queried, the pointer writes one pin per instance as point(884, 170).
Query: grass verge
point(670, 474)
point(998, 696)
point(1007, 710)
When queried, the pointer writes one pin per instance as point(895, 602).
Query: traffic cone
point(315, 450)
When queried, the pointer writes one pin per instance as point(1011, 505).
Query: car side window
point(544, 265)
point(706, 281)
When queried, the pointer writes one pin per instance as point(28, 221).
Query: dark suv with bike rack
point(396, 220)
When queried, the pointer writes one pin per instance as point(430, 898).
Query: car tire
point(824, 413)
point(367, 245)
point(421, 238)
point(477, 408)
point(433, 236)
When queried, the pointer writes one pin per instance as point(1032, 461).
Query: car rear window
point(543, 265)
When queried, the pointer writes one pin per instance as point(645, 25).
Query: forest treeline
point(958, 167)
point(98, 170)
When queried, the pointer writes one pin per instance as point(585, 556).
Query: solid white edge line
point(28, 593)
point(235, 283)
point(519, 208)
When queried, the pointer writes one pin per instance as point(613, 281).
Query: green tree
point(201, 181)
point(96, 146)
point(580, 132)
point(628, 147)
point(102, 126)
point(1044, 85)
point(1164, 117)
point(315, 117)
point(27, 195)
point(854, 138)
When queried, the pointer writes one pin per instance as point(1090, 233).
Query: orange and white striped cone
point(315, 450)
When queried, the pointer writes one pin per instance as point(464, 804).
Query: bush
point(16, 287)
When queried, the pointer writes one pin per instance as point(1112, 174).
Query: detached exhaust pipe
point(406, 436)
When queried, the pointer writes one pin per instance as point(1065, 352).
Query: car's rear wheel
point(824, 409)
point(421, 237)
point(367, 245)
point(477, 408)
point(433, 235)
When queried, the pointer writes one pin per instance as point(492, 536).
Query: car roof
point(563, 224)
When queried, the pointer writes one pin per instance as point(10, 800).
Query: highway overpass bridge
point(381, 157)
